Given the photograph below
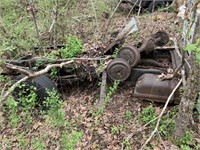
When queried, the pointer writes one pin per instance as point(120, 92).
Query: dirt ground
point(81, 99)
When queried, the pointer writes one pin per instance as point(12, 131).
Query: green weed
point(37, 143)
point(12, 108)
point(22, 141)
point(115, 54)
point(68, 141)
point(101, 7)
point(195, 48)
point(167, 122)
point(53, 72)
point(2, 78)
point(111, 90)
point(186, 141)
point(114, 130)
point(128, 115)
point(147, 115)
point(127, 144)
point(72, 48)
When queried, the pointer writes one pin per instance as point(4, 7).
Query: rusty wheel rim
point(161, 37)
point(118, 69)
point(130, 54)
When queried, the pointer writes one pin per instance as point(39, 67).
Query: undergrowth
point(166, 126)
point(24, 111)
point(167, 122)
point(72, 48)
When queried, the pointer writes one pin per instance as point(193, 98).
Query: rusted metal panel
point(150, 87)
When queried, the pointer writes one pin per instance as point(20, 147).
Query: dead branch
point(19, 69)
point(140, 7)
point(137, 131)
point(110, 18)
point(103, 90)
point(31, 61)
point(56, 15)
point(32, 10)
point(161, 114)
point(132, 8)
point(30, 75)
point(95, 15)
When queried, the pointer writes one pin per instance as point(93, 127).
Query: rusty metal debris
point(140, 64)
point(149, 86)
point(118, 69)
point(147, 62)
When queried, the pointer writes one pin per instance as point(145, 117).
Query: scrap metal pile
point(140, 64)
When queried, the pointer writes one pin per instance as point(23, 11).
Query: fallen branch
point(161, 114)
point(103, 90)
point(137, 131)
point(44, 60)
point(30, 75)
point(18, 68)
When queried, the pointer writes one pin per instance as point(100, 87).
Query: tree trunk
point(184, 119)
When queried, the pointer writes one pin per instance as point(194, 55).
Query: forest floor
point(119, 126)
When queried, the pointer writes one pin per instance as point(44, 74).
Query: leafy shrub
point(167, 122)
point(72, 48)
point(70, 140)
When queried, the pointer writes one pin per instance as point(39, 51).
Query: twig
point(161, 140)
point(140, 7)
point(132, 8)
point(138, 130)
point(95, 15)
point(33, 12)
point(161, 114)
point(110, 18)
point(31, 75)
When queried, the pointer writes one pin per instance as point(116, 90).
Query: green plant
point(111, 90)
point(68, 141)
point(101, 7)
point(37, 143)
point(53, 72)
point(21, 107)
point(101, 67)
point(194, 47)
point(128, 115)
point(114, 130)
point(127, 144)
point(2, 78)
point(115, 52)
point(148, 114)
point(167, 122)
point(55, 112)
point(28, 101)
point(12, 111)
point(197, 106)
point(121, 128)
point(22, 141)
point(72, 48)
point(38, 64)
point(186, 141)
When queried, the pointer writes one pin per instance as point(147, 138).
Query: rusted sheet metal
point(150, 87)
